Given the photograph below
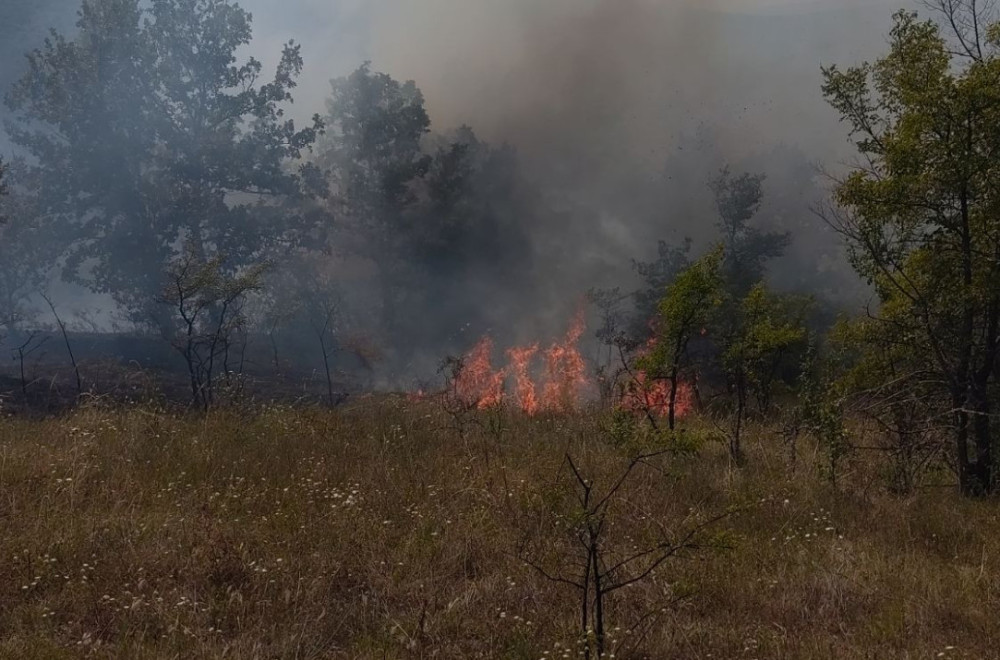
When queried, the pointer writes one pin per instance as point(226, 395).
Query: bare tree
point(590, 561)
point(66, 341)
point(969, 22)
point(208, 310)
point(31, 344)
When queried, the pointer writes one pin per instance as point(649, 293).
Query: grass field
point(379, 531)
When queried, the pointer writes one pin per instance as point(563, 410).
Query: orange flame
point(524, 387)
point(565, 383)
point(565, 371)
point(653, 395)
point(476, 383)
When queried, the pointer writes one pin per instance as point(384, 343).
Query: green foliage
point(374, 129)
point(821, 412)
point(687, 307)
point(621, 426)
point(145, 131)
point(436, 215)
point(921, 219)
point(28, 247)
point(767, 328)
point(683, 312)
point(635, 435)
point(753, 345)
point(657, 276)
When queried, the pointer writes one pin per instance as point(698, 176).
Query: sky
point(513, 67)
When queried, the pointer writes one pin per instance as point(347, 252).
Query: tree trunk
point(672, 406)
point(962, 443)
point(982, 481)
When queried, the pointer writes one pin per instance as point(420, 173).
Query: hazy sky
point(643, 68)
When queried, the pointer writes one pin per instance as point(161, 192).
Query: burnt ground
point(37, 378)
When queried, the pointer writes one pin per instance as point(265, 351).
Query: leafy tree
point(747, 248)
point(440, 217)
point(608, 303)
point(471, 232)
point(921, 213)
point(27, 248)
point(657, 276)
point(146, 132)
point(821, 408)
point(688, 306)
point(752, 348)
point(892, 383)
point(375, 126)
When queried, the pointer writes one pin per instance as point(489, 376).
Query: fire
point(475, 382)
point(478, 384)
point(565, 370)
point(653, 395)
point(553, 380)
point(525, 390)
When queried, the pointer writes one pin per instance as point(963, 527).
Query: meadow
point(384, 530)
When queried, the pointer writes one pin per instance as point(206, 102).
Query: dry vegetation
point(380, 532)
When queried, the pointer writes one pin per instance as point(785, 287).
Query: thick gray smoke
point(626, 106)
point(620, 110)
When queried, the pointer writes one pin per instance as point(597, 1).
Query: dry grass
point(376, 533)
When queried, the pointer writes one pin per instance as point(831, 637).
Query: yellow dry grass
point(378, 532)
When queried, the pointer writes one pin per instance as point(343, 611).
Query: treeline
point(155, 166)
point(916, 373)
point(149, 155)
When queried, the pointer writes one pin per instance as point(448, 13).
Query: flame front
point(653, 395)
point(525, 390)
point(475, 382)
point(565, 371)
point(478, 384)
point(563, 384)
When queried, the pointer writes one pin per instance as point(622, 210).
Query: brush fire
point(553, 380)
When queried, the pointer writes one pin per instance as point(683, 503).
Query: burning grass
point(375, 532)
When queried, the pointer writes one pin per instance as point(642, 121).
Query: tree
point(921, 213)
point(470, 234)
point(28, 247)
point(753, 346)
point(887, 379)
point(578, 548)
point(145, 133)
point(747, 248)
point(4, 191)
point(440, 217)
point(373, 149)
point(207, 309)
point(657, 276)
point(688, 306)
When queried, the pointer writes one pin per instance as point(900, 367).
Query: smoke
point(624, 108)
point(596, 85)
point(620, 111)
